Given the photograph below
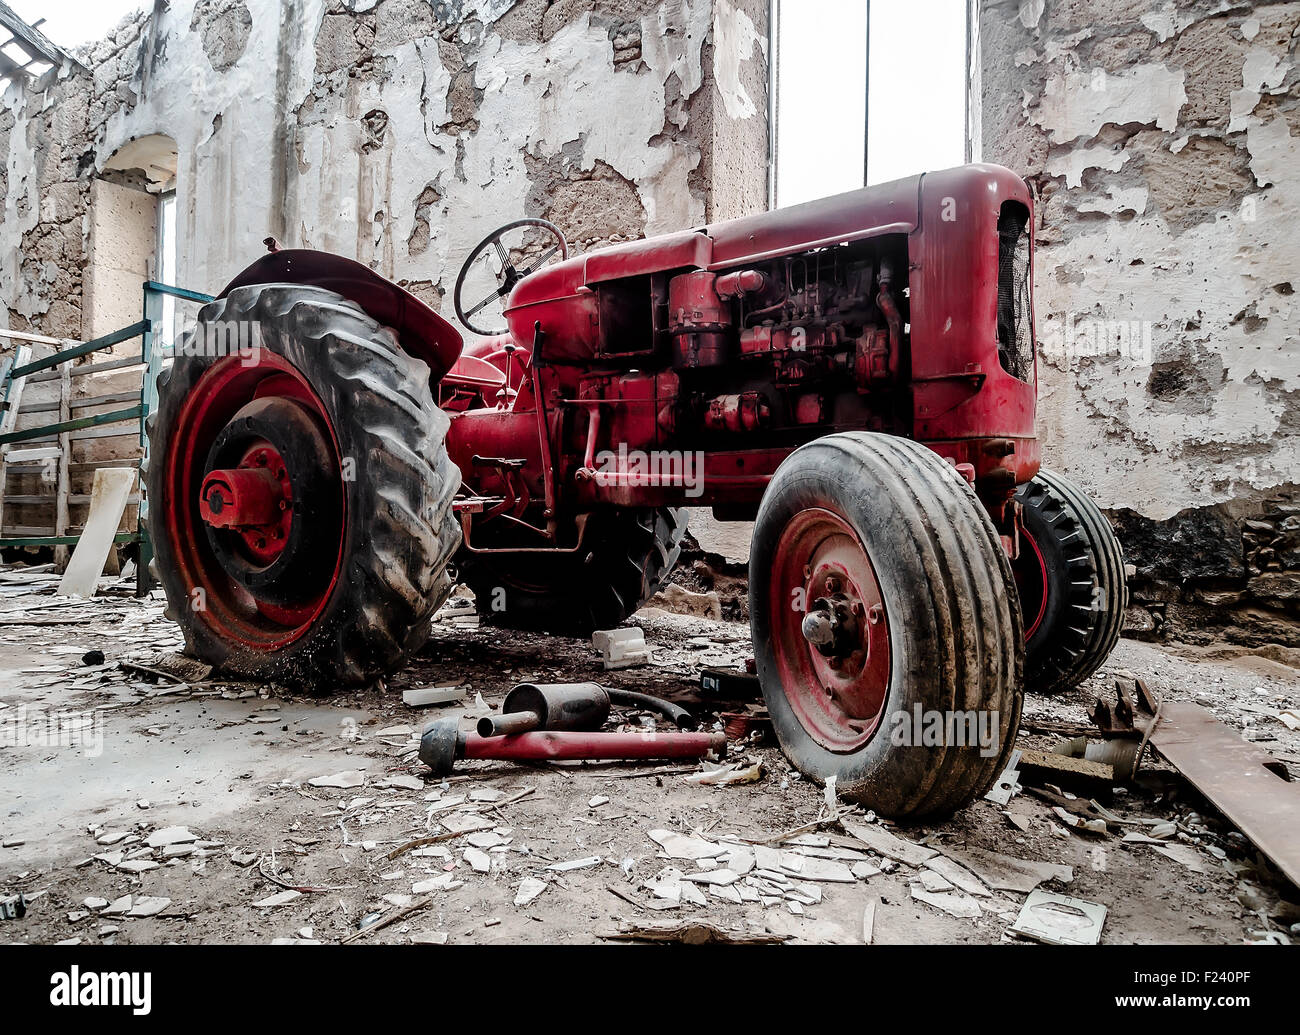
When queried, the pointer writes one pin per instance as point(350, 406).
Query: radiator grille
point(1015, 320)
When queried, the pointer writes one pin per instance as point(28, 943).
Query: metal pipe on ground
point(548, 706)
point(572, 706)
point(443, 743)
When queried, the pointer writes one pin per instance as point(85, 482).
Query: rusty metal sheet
point(1246, 783)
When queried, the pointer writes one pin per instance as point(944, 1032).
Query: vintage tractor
point(855, 374)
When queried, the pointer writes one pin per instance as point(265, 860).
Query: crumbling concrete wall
point(1163, 144)
point(397, 132)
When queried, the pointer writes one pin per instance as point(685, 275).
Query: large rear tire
point(299, 493)
point(625, 559)
point(881, 602)
point(1070, 575)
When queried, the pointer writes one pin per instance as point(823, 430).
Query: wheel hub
point(831, 626)
point(833, 653)
point(253, 500)
point(257, 510)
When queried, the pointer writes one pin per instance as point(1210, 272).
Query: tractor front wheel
point(885, 629)
point(299, 494)
point(1070, 575)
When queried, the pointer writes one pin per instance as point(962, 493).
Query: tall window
point(165, 270)
point(866, 91)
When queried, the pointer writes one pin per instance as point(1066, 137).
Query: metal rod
point(97, 345)
point(545, 744)
point(114, 417)
point(513, 722)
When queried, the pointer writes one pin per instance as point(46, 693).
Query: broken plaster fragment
point(954, 903)
point(529, 889)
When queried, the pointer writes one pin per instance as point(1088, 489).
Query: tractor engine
point(753, 359)
point(794, 343)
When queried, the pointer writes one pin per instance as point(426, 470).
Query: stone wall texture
point(1162, 141)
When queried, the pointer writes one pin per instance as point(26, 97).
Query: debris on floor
point(621, 648)
point(318, 814)
point(1059, 919)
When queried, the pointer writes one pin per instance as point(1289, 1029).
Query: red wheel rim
point(824, 580)
point(239, 581)
point(1030, 571)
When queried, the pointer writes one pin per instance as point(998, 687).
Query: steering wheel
point(506, 274)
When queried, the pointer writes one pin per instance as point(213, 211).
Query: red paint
point(838, 696)
point(545, 744)
point(876, 310)
point(1030, 570)
point(239, 616)
point(254, 499)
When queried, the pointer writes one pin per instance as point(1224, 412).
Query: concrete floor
point(231, 764)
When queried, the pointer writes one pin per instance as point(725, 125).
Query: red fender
point(421, 332)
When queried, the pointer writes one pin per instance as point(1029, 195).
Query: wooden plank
point(80, 499)
point(84, 403)
point(11, 389)
point(128, 432)
point(33, 42)
point(39, 339)
point(1071, 774)
point(92, 368)
point(80, 465)
point(1239, 778)
point(111, 487)
point(17, 457)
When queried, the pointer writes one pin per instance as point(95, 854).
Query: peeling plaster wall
point(396, 132)
point(1163, 142)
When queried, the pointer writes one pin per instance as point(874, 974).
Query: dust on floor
point(202, 810)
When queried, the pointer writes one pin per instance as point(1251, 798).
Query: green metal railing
point(148, 330)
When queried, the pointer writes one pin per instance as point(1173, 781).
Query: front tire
point(299, 490)
point(1070, 576)
point(880, 595)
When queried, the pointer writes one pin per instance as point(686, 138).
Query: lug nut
point(876, 613)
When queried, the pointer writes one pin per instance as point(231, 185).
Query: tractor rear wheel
point(299, 493)
point(1070, 575)
point(885, 629)
point(625, 559)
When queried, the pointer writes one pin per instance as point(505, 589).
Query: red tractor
point(856, 375)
